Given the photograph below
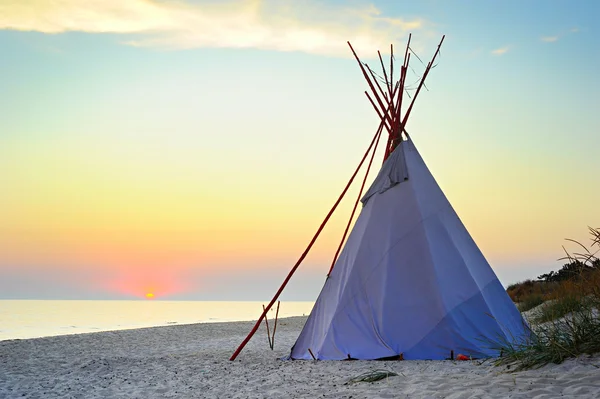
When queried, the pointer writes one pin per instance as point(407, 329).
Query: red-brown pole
point(399, 89)
point(390, 110)
point(268, 333)
point(362, 187)
point(421, 83)
point(391, 67)
point(275, 328)
point(397, 116)
point(402, 79)
point(382, 117)
point(387, 81)
point(377, 82)
point(291, 273)
point(362, 68)
point(407, 47)
point(403, 82)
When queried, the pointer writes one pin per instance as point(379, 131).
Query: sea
point(22, 319)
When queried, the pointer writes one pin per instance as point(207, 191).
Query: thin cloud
point(555, 38)
point(262, 24)
point(549, 39)
point(501, 50)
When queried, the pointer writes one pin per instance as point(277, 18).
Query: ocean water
point(33, 318)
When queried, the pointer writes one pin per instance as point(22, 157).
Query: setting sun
point(150, 295)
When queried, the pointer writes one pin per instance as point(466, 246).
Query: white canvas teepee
point(410, 281)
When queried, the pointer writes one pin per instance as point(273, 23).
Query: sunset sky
point(190, 149)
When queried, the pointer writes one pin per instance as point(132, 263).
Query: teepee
point(410, 282)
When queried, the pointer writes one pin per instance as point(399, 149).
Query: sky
point(190, 149)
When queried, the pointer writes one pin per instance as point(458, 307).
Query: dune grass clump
point(566, 323)
point(555, 341)
point(530, 302)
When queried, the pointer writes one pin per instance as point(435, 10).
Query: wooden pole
point(275, 327)
point(396, 117)
point(403, 71)
point(339, 248)
point(268, 333)
point(407, 47)
point(397, 137)
point(391, 66)
point(362, 68)
point(320, 229)
point(397, 114)
point(381, 116)
point(387, 81)
point(335, 257)
point(422, 82)
point(377, 82)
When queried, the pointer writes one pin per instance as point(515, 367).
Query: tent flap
point(392, 172)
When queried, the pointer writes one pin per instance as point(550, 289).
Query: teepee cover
point(410, 281)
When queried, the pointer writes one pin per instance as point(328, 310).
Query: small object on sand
point(460, 356)
point(371, 376)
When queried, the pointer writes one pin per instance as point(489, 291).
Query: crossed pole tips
point(387, 103)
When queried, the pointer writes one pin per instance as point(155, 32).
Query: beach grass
point(562, 310)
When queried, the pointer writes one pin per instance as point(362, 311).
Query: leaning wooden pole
point(362, 187)
point(383, 114)
point(275, 327)
point(400, 95)
point(291, 273)
point(405, 119)
point(403, 71)
point(362, 68)
point(387, 81)
point(392, 110)
point(387, 126)
point(268, 332)
point(383, 94)
point(391, 67)
point(397, 128)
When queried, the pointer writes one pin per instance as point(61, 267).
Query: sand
point(191, 361)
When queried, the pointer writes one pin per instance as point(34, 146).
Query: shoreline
point(48, 318)
point(192, 361)
point(132, 328)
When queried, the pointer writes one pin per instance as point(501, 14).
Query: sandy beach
point(191, 361)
